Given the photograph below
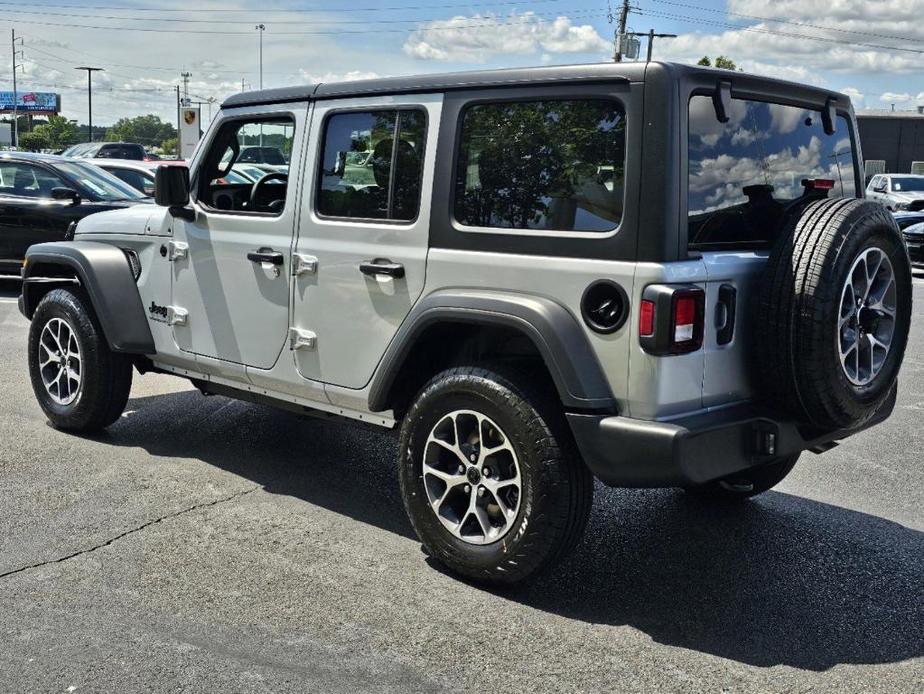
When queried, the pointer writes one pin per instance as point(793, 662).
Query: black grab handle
point(382, 266)
point(266, 255)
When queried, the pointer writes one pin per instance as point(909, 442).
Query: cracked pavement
point(203, 544)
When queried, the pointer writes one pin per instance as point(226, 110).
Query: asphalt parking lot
point(203, 544)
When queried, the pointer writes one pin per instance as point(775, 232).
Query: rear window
point(120, 151)
point(544, 165)
point(743, 174)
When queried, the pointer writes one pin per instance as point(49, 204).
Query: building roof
point(883, 113)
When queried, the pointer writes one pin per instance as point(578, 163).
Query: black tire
point(749, 483)
point(557, 488)
point(105, 376)
point(797, 363)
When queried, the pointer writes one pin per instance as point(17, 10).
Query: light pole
point(90, 71)
point(261, 28)
point(16, 66)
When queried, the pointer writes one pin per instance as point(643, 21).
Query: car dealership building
point(892, 141)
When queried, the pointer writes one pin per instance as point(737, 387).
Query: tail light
point(671, 319)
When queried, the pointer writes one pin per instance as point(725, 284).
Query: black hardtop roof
point(589, 72)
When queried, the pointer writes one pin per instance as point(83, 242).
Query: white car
point(140, 175)
point(897, 191)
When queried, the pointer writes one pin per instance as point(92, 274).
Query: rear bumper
point(625, 452)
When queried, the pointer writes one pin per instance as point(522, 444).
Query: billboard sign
point(189, 131)
point(30, 102)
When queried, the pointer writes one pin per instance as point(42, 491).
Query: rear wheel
point(80, 384)
point(490, 477)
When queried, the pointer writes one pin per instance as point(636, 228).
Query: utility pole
point(651, 37)
point(177, 88)
point(261, 28)
point(15, 139)
point(621, 31)
point(90, 71)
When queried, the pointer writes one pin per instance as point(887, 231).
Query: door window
point(371, 165)
point(27, 181)
point(235, 142)
point(546, 165)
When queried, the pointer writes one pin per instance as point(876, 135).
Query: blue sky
point(873, 50)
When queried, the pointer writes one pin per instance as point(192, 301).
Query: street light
point(261, 28)
point(90, 71)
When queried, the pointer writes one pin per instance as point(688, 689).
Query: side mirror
point(879, 189)
point(171, 189)
point(66, 194)
point(171, 186)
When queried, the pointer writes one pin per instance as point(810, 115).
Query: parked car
point(41, 195)
point(914, 241)
point(537, 277)
point(138, 174)
point(107, 150)
point(262, 155)
point(897, 191)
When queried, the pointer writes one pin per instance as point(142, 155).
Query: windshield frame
point(118, 190)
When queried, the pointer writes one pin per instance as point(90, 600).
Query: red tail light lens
point(671, 319)
point(646, 318)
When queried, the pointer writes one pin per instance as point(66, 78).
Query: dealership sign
point(30, 102)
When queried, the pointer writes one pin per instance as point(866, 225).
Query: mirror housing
point(66, 194)
point(171, 186)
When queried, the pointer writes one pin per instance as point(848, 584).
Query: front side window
point(27, 181)
point(907, 184)
point(264, 188)
point(371, 165)
point(546, 165)
point(744, 174)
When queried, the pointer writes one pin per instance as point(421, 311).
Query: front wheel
point(490, 477)
point(80, 384)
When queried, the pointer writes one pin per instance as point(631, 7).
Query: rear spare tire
point(833, 314)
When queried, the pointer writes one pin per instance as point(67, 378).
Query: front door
point(28, 213)
point(231, 266)
point(363, 238)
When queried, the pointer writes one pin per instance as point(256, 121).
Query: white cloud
point(856, 96)
point(524, 33)
point(893, 98)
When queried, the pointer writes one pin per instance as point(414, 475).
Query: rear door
point(363, 236)
point(745, 178)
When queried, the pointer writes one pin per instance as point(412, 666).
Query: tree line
point(57, 132)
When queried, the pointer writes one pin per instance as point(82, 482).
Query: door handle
point(266, 255)
point(382, 266)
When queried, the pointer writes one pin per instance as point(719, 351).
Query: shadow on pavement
point(777, 580)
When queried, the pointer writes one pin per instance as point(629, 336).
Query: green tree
point(171, 146)
point(58, 131)
point(34, 141)
point(147, 130)
point(721, 62)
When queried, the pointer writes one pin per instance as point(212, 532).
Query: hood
point(134, 219)
point(907, 197)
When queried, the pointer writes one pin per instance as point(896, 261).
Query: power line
point(262, 12)
point(808, 37)
point(455, 27)
point(791, 22)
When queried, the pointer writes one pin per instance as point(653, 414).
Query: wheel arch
point(103, 271)
point(551, 333)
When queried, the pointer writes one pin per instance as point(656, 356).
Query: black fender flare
point(552, 328)
point(104, 273)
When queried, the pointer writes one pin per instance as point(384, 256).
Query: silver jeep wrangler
point(652, 274)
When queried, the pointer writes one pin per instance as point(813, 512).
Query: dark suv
point(107, 150)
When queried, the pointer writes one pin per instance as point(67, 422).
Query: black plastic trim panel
point(554, 331)
point(105, 275)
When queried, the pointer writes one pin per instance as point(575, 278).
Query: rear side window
point(371, 165)
point(545, 165)
point(744, 174)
